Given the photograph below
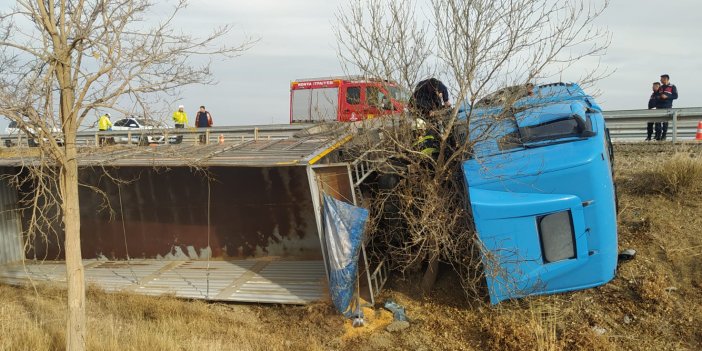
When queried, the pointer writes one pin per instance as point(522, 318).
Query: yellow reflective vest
point(104, 123)
point(180, 117)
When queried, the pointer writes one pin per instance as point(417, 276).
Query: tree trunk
point(75, 328)
point(430, 275)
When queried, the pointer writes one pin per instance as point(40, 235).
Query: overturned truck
point(541, 189)
point(235, 221)
point(244, 220)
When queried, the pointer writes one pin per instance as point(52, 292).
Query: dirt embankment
point(654, 303)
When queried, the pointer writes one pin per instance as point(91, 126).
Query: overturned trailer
point(235, 221)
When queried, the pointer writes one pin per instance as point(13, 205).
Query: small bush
point(583, 337)
point(509, 332)
point(531, 329)
point(652, 290)
point(679, 175)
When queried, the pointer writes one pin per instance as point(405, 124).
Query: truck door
point(533, 243)
point(352, 105)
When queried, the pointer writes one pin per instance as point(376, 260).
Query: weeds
point(679, 175)
point(533, 329)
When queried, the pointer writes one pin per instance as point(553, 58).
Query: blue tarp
point(343, 228)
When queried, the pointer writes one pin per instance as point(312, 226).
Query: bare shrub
point(475, 47)
point(61, 62)
point(512, 330)
point(679, 175)
point(582, 337)
point(652, 289)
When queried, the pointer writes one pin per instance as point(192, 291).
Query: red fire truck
point(346, 99)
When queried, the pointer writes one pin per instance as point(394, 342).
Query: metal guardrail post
point(675, 127)
point(97, 139)
point(207, 136)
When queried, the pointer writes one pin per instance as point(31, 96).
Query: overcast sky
point(297, 40)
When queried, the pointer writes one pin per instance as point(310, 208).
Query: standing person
point(203, 119)
point(180, 118)
point(666, 94)
point(104, 124)
point(652, 102)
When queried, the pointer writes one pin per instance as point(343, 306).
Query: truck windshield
point(558, 129)
point(397, 94)
point(545, 133)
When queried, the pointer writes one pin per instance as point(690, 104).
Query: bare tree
point(61, 60)
point(476, 47)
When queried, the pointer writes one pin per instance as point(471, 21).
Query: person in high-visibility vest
point(180, 118)
point(104, 123)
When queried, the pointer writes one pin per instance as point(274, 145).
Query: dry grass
point(18, 151)
point(654, 303)
point(678, 175)
point(509, 330)
point(125, 321)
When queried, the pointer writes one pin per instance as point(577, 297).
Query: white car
point(149, 131)
point(13, 130)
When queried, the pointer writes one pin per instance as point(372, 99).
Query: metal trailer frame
point(195, 273)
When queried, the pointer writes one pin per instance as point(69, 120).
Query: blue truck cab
point(541, 191)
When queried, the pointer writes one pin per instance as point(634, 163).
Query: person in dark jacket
point(429, 95)
point(652, 103)
point(666, 94)
point(203, 119)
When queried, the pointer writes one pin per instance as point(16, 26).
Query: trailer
point(236, 221)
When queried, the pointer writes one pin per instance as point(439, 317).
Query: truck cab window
point(353, 95)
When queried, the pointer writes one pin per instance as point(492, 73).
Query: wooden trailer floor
point(255, 280)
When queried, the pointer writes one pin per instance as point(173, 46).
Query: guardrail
point(170, 135)
point(631, 124)
point(623, 125)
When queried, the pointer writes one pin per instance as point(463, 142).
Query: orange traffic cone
point(221, 138)
point(698, 136)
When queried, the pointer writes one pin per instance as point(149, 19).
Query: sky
point(297, 40)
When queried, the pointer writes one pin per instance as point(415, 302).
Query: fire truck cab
point(344, 99)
